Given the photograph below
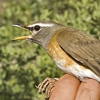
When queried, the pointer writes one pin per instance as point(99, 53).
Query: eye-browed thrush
point(72, 50)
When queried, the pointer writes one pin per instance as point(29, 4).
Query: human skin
point(70, 88)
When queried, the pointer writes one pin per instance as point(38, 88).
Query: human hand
point(70, 88)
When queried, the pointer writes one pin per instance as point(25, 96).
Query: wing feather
point(83, 48)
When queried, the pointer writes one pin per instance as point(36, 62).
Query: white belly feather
point(76, 70)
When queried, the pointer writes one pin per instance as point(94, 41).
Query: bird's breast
point(58, 55)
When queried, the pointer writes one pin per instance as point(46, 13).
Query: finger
point(66, 88)
point(89, 90)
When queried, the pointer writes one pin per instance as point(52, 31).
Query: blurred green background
point(23, 64)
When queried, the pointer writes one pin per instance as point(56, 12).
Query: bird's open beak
point(22, 37)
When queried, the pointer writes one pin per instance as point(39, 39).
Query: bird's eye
point(37, 27)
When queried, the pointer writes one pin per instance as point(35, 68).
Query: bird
point(72, 50)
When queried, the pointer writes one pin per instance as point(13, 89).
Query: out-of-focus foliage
point(23, 64)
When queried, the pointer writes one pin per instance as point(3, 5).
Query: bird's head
point(41, 32)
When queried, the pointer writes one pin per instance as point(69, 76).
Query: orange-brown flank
point(57, 54)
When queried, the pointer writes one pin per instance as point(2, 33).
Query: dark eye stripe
point(29, 28)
